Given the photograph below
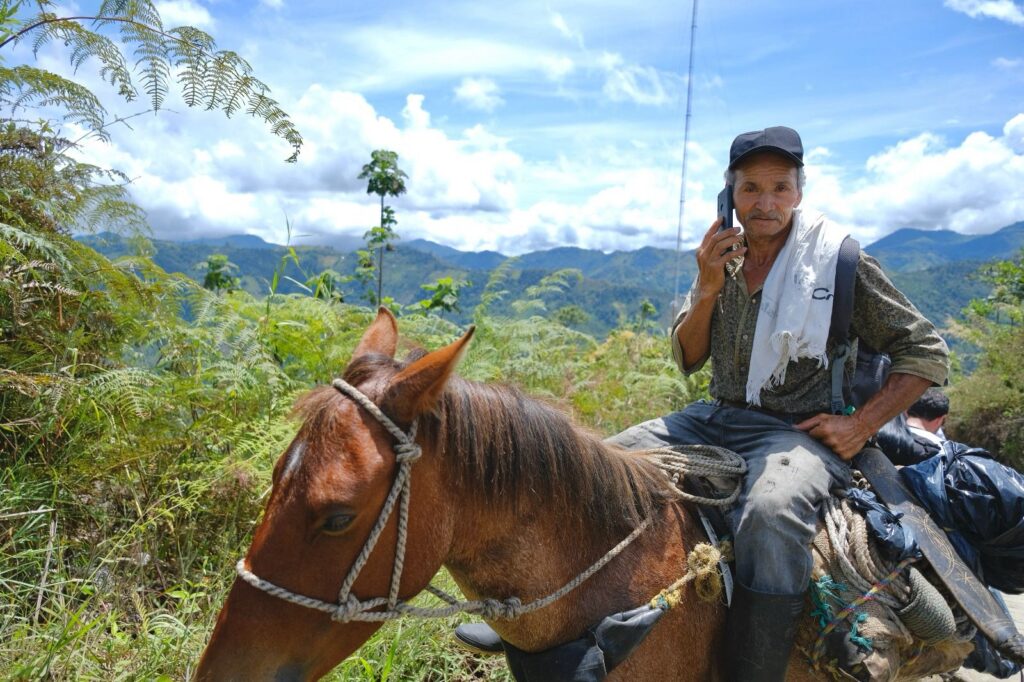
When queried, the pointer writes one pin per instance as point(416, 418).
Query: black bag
point(980, 503)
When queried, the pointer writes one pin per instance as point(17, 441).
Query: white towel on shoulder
point(796, 302)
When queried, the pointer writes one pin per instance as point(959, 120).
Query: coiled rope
point(860, 568)
point(705, 461)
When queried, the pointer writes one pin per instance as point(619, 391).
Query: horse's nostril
point(290, 672)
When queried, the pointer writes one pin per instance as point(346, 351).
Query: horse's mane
point(508, 448)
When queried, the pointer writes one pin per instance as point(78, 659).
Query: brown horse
point(509, 495)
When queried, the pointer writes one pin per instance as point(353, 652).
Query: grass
point(136, 451)
point(100, 617)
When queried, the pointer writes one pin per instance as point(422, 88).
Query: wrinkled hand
point(846, 435)
point(714, 252)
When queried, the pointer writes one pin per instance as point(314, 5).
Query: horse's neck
point(531, 554)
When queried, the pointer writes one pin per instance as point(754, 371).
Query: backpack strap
point(842, 314)
point(842, 303)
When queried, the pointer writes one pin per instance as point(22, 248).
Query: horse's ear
point(380, 337)
point(416, 389)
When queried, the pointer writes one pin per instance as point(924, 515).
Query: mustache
point(770, 215)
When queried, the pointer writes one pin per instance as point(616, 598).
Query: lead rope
point(349, 608)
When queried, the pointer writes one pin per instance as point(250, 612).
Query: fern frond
point(240, 93)
point(29, 241)
point(216, 79)
point(206, 306)
point(108, 208)
point(190, 55)
point(494, 291)
point(85, 44)
point(51, 288)
point(25, 86)
point(9, 254)
point(152, 55)
point(124, 391)
point(262, 438)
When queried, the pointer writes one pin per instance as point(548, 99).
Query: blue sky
point(527, 125)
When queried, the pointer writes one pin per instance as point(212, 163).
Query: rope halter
point(348, 607)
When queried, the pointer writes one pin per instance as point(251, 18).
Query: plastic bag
point(982, 502)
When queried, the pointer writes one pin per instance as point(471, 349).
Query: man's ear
point(417, 388)
point(380, 337)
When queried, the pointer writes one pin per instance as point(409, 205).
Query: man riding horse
point(764, 322)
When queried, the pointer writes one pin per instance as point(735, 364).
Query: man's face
point(766, 194)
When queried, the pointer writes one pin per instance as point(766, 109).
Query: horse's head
point(329, 489)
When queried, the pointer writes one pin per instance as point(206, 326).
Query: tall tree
point(385, 178)
point(218, 273)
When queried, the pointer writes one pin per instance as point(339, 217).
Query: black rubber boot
point(760, 630)
point(479, 638)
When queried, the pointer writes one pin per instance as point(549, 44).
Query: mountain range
point(934, 268)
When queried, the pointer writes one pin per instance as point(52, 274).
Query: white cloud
point(437, 55)
point(1007, 64)
point(272, 4)
point(1003, 10)
point(184, 13)
point(925, 183)
point(479, 93)
point(557, 68)
point(1013, 133)
point(414, 114)
point(631, 82)
point(228, 176)
point(558, 21)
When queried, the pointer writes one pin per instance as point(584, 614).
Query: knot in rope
point(702, 562)
point(493, 608)
point(346, 609)
point(702, 570)
point(407, 452)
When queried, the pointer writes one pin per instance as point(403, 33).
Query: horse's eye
point(336, 523)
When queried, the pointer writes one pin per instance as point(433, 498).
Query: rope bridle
point(348, 607)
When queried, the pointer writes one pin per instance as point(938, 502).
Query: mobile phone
point(725, 208)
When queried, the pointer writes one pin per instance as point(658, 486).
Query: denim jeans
point(789, 476)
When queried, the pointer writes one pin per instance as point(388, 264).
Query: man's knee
point(772, 539)
point(777, 518)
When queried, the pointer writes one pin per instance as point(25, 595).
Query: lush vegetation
point(138, 443)
point(987, 406)
point(141, 412)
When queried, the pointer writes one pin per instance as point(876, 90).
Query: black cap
point(778, 139)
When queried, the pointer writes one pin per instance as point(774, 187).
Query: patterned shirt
point(882, 316)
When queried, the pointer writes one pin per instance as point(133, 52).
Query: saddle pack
point(850, 392)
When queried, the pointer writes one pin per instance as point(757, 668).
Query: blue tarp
point(980, 504)
point(895, 539)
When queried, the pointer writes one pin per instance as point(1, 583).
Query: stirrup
point(479, 638)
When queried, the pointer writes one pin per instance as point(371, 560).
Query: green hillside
point(935, 269)
point(941, 292)
point(610, 292)
point(909, 250)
